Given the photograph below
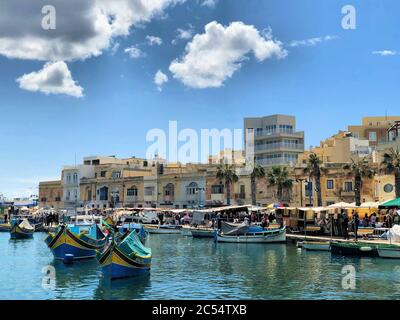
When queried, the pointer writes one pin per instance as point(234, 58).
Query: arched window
point(192, 188)
point(103, 192)
point(169, 189)
point(132, 192)
point(75, 178)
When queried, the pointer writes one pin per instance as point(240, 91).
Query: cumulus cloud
point(312, 41)
point(159, 79)
point(54, 78)
point(154, 41)
point(183, 34)
point(214, 56)
point(134, 52)
point(385, 53)
point(84, 28)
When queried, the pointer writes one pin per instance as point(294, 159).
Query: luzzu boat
point(5, 227)
point(21, 230)
point(141, 233)
point(80, 241)
point(202, 232)
point(249, 234)
point(125, 257)
point(354, 249)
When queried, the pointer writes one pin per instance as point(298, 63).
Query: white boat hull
point(162, 230)
point(391, 253)
point(278, 235)
point(317, 246)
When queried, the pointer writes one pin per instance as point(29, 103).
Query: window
point(217, 189)
point(75, 178)
point(116, 174)
point(192, 188)
point(372, 136)
point(103, 174)
point(132, 192)
point(149, 191)
point(103, 194)
point(95, 162)
point(348, 186)
point(242, 194)
point(388, 188)
point(169, 189)
point(329, 184)
point(145, 163)
point(68, 179)
point(309, 188)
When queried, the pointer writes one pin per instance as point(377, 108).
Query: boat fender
point(365, 249)
point(68, 258)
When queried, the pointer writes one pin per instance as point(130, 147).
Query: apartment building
point(276, 139)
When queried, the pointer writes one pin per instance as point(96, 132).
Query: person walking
point(373, 220)
point(345, 226)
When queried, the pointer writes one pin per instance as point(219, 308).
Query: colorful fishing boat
point(141, 233)
point(354, 249)
point(5, 227)
point(202, 232)
point(21, 229)
point(243, 233)
point(316, 245)
point(78, 241)
point(125, 257)
point(163, 229)
point(391, 251)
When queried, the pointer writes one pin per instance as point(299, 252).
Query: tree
point(391, 165)
point(359, 170)
point(314, 169)
point(258, 173)
point(227, 173)
point(279, 176)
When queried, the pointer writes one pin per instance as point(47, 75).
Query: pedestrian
point(373, 220)
point(356, 221)
point(345, 225)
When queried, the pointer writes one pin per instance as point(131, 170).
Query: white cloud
point(312, 41)
point(134, 52)
point(114, 48)
point(159, 79)
point(213, 57)
point(183, 34)
point(84, 28)
point(209, 3)
point(385, 53)
point(54, 78)
point(152, 41)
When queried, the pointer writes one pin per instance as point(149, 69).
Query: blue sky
point(327, 84)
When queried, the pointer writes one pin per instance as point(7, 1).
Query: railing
point(276, 146)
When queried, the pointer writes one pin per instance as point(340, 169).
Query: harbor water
point(187, 268)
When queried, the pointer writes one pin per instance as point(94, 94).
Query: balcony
point(262, 148)
point(278, 133)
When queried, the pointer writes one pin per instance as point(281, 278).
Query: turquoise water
point(187, 268)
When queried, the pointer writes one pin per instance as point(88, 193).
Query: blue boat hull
point(16, 235)
point(116, 271)
point(78, 253)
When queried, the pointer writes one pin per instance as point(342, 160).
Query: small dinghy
point(21, 230)
point(125, 257)
point(390, 251)
point(354, 249)
point(317, 245)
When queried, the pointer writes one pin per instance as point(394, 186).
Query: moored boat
point(202, 232)
point(5, 227)
point(354, 249)
point(249, 234)
point(389, 251)
point(80, 241)
point(141, 233)
point(316, 245)
point(21, 229)
point(125, 257)
point(163, 229)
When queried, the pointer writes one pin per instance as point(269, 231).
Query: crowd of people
point(389, 219)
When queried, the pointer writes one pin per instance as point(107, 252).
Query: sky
point(111, 71)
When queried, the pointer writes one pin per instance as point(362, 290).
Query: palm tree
point(279, 176)
point(314, 169)
point(391, 165)
point(258, 172)
point(359, 169)
point(227, 173)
